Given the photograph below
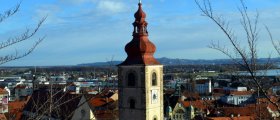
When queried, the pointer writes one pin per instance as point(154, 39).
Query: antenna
point(140, 1)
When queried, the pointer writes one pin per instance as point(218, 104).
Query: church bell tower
point(140, 76)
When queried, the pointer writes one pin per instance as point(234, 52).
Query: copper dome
point(140, 13)
point(140, 49)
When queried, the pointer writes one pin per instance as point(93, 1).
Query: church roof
point(140, 49)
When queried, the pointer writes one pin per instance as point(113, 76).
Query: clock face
point(154, 96)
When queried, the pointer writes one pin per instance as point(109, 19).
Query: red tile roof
point(16, 108)
point(249, 110)
point(241, 92)
point(16, 105)
point(273, 107)
point(201, 104)
point(97, 102)
point(106, 114)
point(188, 94)
point(20, 86)
point(218, 94)
point(231, 118)
point(3, 91)
point(3, 117)
point(202, 81)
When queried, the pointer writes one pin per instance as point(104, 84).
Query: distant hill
point(109, 63)
point(171, 61)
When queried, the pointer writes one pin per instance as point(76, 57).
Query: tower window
point(131, 80)
point(154, 79)
point(132, 103)
point(155, 117)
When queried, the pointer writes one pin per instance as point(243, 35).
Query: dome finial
point(140, 49)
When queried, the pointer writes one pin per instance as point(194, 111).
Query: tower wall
point(146, 108)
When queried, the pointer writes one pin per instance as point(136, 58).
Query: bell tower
point(140, 76)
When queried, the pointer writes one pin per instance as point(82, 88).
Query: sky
point(86, 31)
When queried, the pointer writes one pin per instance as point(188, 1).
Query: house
point(239, 88)
point(272, 109)
point(4, 95)
point(190, 109)
point(276, 88)
point(83, 111)
point(71, 87)
point(190, 96)
point(44, 104)
point(252, 110)
point(22, 91)
point(213, 96)
point(238, 98)
point(203, 86)
point(105, 106)
point(170, 101)
point(180, 112)
point(9, 93)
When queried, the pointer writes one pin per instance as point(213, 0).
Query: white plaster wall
point(88, 115)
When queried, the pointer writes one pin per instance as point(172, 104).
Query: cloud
point(76, 2)
point(109, 6)
point(51, 11)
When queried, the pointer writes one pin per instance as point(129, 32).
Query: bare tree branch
point(275, 45)
point(11, 57)
point(9, 12)
point(248, 56)
point(24, 36)
point(17, 39)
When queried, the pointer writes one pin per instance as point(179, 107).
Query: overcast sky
point(85, 31)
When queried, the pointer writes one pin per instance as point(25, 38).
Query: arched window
point(154, 79)
point(132, 103)
point(131, 80)
point(155, 117)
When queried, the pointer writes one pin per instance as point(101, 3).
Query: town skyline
point(85, 31)
point(141, 86)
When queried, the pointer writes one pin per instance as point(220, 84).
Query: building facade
point(140, 76)
point(203, 86)
point(238, 98)
point(22, 91)
point(4, 95)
